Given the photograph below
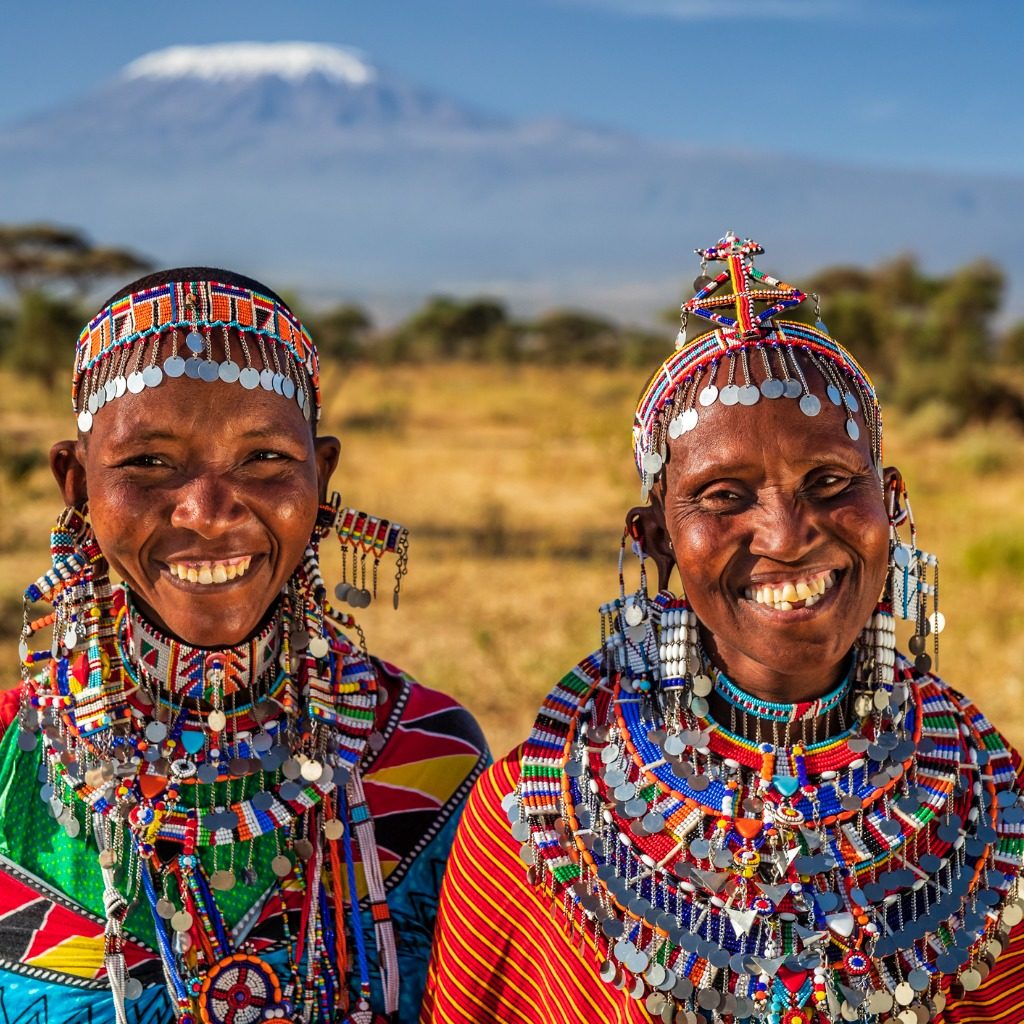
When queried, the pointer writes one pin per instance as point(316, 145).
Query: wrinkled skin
point(196, 471)
point(763, 494)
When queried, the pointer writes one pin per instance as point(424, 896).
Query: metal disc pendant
point(267, 380)
point(810, 405)
point(689, 419)
point(773, 388)
point(288, 387)
point(249, 378)
point(223, 880)
point(195, 342)
point(318, 646)
point(181, 921)
point(209, 371)
point(174, 366)
point(729, 395)
point(216, 720)
point(229, 371)
point(333, 829)
point(262, 800)
point(136, 385)
point(165, 909)
point(853, 430)
point(85, 421)
point(749, 395)
point(835, 396)
point(152, 376)
point(281, 866)
point(156, 732)
point(708, 396)
point(132, 989)
point(192, 368)
point(792, 389)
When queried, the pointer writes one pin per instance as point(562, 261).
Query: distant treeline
point(930, 342)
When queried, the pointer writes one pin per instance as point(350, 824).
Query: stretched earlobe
point(69, 472)
point(646, 525)
point(328, 450)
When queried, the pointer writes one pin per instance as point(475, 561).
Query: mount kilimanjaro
point(307, 166)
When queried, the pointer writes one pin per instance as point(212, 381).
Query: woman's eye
point(829, 484)
point(722, 497)
point(268, 455)
point(143, 462)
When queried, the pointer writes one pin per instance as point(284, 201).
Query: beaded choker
point(772, 711)
point(165, 666)
point(856, 878)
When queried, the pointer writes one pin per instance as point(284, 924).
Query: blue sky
point(921, 83)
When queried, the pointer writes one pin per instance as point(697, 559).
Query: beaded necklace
point(177, 760)
point(855, 878)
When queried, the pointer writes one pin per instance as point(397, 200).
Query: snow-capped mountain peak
point(225, 61)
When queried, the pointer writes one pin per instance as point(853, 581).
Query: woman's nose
point(785, 530)
point(208, 505)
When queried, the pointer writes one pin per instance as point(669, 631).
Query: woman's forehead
point(187, 410)
point(768, 433)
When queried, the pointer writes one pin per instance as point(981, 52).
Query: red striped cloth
point(502, 952)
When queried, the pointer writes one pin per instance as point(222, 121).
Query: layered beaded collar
point(856, 878)
point(167, 666)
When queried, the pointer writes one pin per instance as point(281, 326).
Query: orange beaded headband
point(118, 351)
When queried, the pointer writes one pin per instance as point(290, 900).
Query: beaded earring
point(78, 588)
point(914, 598)
point(363, 537)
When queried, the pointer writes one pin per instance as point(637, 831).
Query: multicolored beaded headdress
point(195, 322)
point(686, 382)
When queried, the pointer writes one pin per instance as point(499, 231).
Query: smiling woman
point(746, 806)
point(244, 815)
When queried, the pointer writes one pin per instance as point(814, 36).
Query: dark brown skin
point(192, 471)
point(764, 494)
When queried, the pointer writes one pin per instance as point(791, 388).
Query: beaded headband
point(111, 356)
point(672, 401)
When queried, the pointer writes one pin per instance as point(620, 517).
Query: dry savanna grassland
point(514, 483)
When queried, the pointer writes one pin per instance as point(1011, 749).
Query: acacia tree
point(50, 269)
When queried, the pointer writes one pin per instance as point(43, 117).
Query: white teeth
point(784, 596)
point(207, 573)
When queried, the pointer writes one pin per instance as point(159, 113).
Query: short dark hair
point(195, 274)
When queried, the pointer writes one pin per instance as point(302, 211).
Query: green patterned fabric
point(33, 839)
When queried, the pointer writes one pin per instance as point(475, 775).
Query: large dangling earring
point(914, 598)
point(363, 538)
point(82, 625)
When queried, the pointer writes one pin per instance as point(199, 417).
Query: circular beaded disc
point(238, 990)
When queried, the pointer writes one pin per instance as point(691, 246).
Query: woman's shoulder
point(431, 717)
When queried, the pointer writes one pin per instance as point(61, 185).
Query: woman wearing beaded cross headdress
point(746, 806)
point(244, 816)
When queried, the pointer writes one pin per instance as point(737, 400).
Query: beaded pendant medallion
point(856, 876)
